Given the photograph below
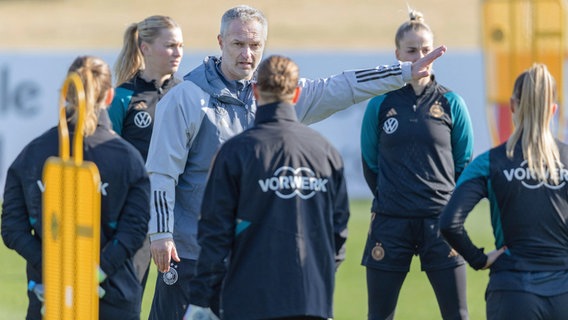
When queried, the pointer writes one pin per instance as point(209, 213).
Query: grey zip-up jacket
point(195, 117)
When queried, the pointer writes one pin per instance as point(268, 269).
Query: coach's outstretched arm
point(323, 97)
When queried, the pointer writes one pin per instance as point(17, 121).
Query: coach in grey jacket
point(214, 103)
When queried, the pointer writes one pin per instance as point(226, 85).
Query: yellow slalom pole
point(71, 222)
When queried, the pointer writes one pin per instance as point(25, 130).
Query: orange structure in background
point(516, 34)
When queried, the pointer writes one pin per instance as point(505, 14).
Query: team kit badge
point(171, 276)
point(378, 252)
point(436, 110)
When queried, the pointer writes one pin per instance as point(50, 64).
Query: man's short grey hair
point(243, 13)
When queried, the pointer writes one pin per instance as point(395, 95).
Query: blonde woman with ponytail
point(415, 142)
point(525, 180)
point(144, 71)
point(533, 105)
point(98, 91)
point(125, 190)
point(152, 47)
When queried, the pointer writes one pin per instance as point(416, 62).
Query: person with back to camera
point(144, 71)
point(290, 235)
point(212, 104)
point(125, 199)
point(415, 142)
point(525, 182)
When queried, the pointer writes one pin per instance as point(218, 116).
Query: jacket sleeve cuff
point(113, 257)
point(160, 235)
point(479, 261)
point(406, 71)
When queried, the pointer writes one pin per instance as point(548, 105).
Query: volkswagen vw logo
point(142, 119)
point(390, 125)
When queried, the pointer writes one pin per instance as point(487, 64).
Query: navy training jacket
point(125, 194)
point(276, 202)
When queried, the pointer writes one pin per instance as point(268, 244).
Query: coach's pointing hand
point(163, 250)
point(421, 68)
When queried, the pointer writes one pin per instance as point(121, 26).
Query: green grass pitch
point(416, 301)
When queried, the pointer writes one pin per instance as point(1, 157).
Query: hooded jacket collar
point(276, 111)
point(209, 78)
point(428, 89)
point(103, 120)
point(140, 82)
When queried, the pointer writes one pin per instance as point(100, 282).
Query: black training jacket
point(276, 201)
point(133, 108)
point(528, 216)
point(125, 193)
